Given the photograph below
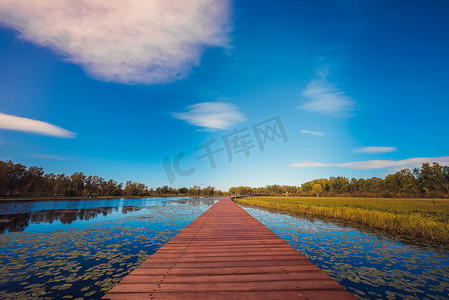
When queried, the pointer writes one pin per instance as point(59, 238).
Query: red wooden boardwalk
point(227, 254)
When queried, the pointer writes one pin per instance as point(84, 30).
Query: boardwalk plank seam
point(227, 254)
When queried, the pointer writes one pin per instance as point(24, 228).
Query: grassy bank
point(420, 218)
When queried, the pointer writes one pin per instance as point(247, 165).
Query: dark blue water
point(71, 249)
point(369, 265)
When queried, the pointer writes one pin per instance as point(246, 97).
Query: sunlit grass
point(421, 218)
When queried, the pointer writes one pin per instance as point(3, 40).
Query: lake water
point(368, 264)
point(74, 249)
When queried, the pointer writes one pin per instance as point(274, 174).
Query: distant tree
point(33, 181)
point(195, 191)
point(77, 182)
point(183, 190)
point(446, 178)
point(431, 180)
point(135, 189)
point(317, 189)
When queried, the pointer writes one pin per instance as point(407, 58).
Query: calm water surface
point(369, 265)
point(75, 249)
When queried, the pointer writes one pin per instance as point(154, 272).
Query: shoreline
point(74, 198)
point(420, 224)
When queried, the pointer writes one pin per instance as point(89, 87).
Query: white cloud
point(324, 97)
point(378, 164)
point(212, 115)
point(310, 164)
point(128, 41)
point(29, 125)
point(317, 133)
point(375, 150)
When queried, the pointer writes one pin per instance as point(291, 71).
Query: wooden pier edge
point(227, 254)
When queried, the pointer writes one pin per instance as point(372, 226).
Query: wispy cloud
point(48, 156)
point(378, 164)
point(212, 115)
point(324, 97)
point(128, 41)
point(317, 133)
point(375, 150)
point(29, 125)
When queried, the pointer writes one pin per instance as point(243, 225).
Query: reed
point(417, 218)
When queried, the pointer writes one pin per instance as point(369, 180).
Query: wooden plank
point(227, 254)
point(266, 295)
point(227, 271)
point(279, 285)
point(225, 278)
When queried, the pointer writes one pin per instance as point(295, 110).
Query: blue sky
point(360, 88)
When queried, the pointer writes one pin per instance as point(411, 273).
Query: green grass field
point(420, 218)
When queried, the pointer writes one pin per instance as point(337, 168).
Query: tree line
point(431, 181)
point(17, 180)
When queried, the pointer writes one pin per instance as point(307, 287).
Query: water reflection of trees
point(18, 222)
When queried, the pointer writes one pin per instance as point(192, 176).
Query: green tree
point(77, 182)
point(317, 189)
